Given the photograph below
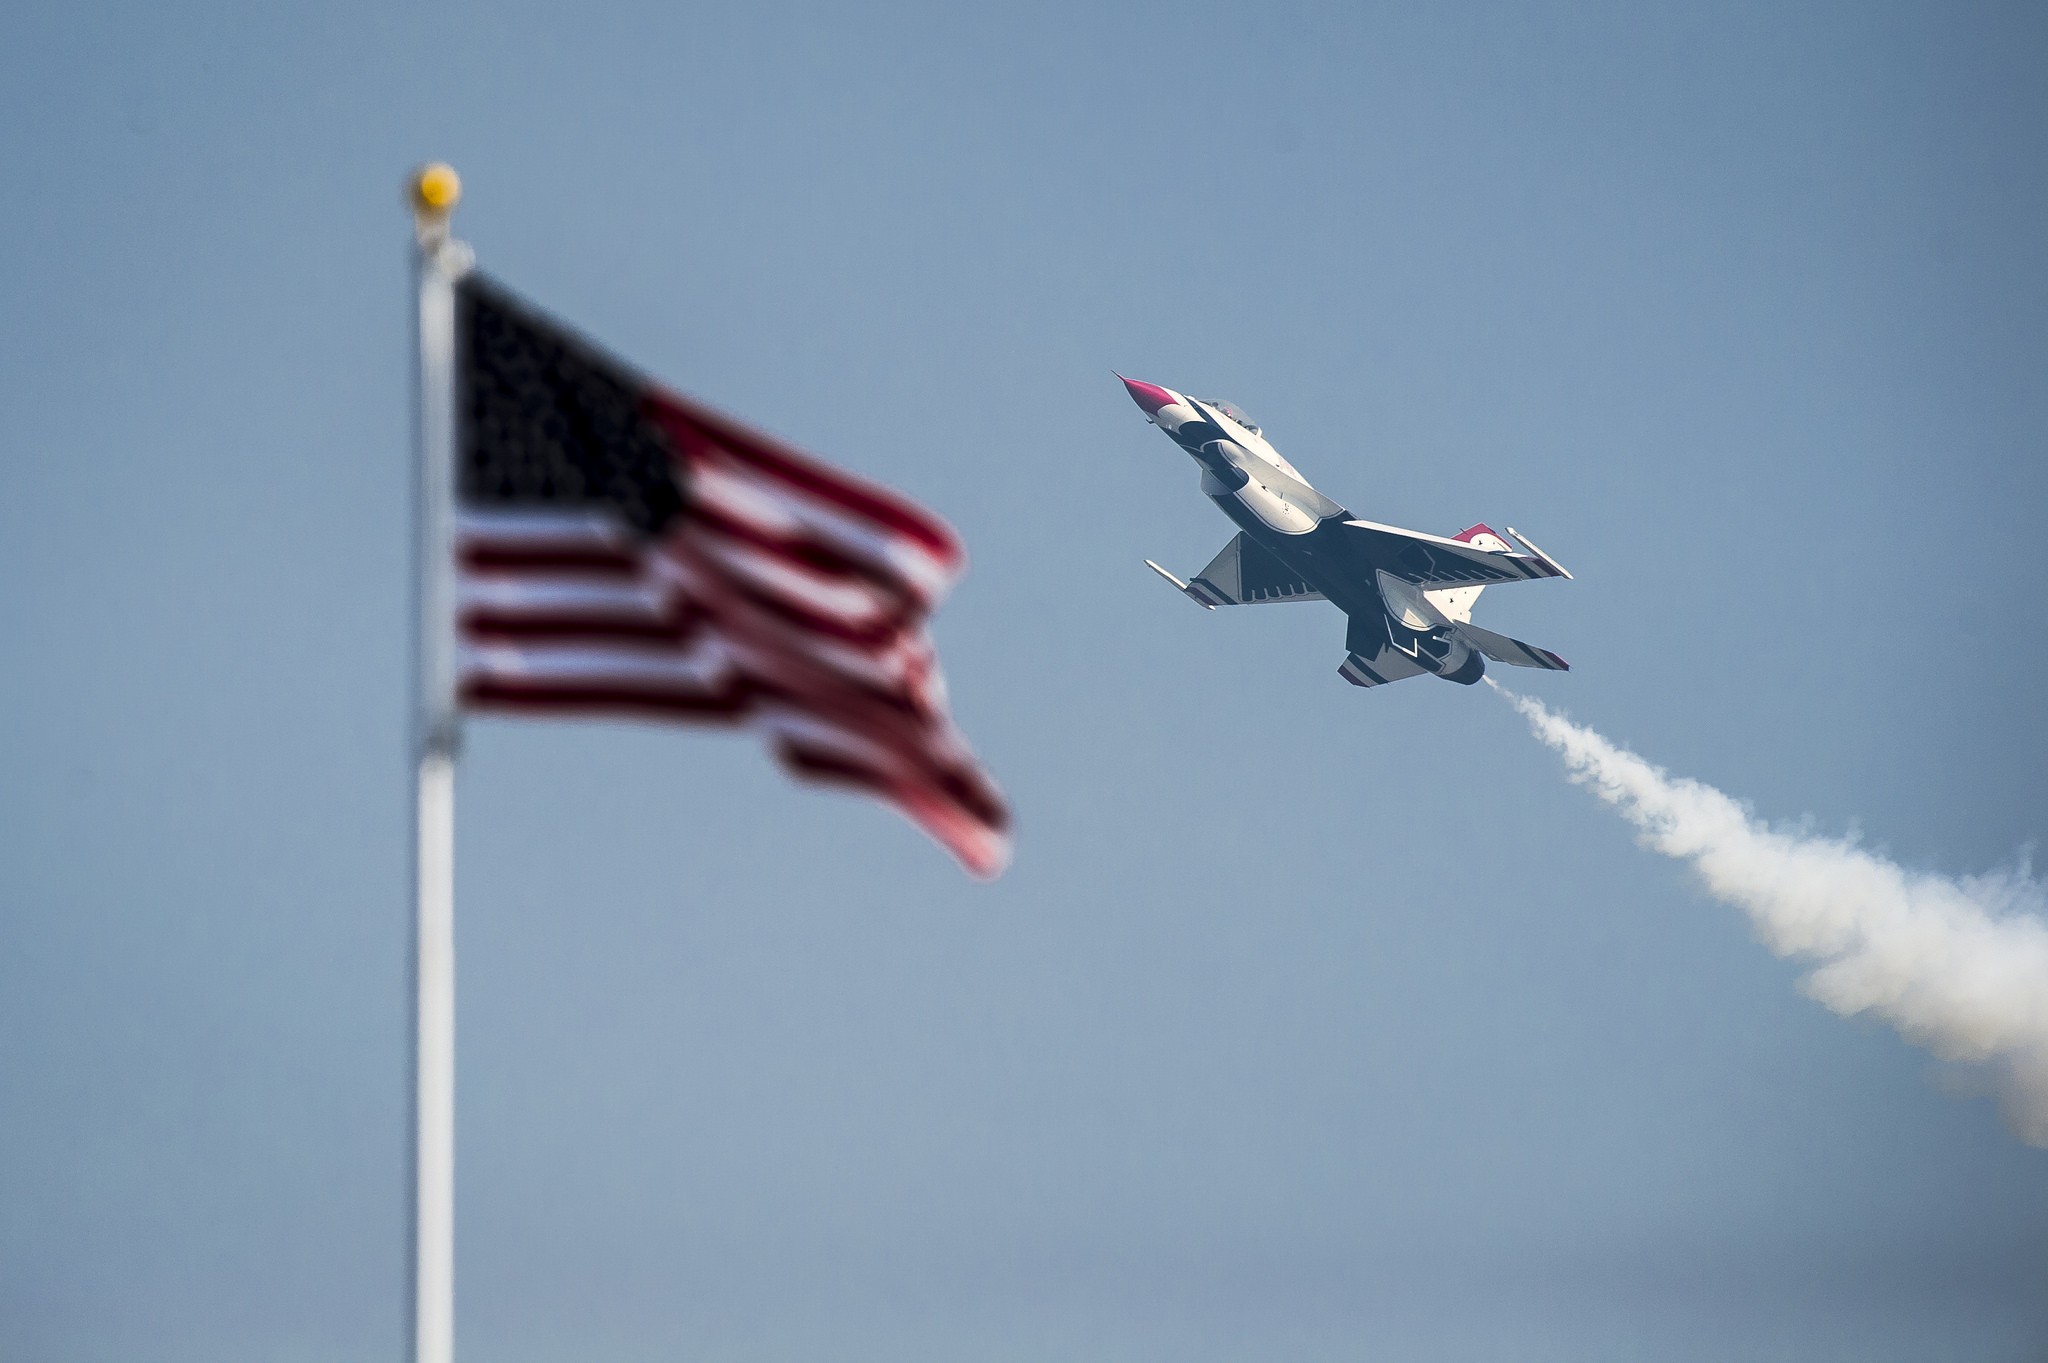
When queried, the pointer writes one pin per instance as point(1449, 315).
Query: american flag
point(622, 550)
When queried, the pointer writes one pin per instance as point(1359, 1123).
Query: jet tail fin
point(1513, 652)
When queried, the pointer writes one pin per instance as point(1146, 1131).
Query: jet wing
point(1433, 561)
point(1502, 649)
point(1243, 575)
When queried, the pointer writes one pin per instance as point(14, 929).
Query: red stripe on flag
point(698, 431)
point(707, 704)
point(808, 552)
point(485, 557)
point(490, 626)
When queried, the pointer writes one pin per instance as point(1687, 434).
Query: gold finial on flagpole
point(433, 191)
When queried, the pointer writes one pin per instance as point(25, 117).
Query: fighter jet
point(1409, 595)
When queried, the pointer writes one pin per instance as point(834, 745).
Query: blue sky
point(1310, 1023)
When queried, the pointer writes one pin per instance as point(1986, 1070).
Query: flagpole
point(438, 263)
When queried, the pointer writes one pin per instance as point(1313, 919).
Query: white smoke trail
point(1958, 966)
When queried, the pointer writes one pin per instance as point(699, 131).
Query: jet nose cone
point(1149, 396)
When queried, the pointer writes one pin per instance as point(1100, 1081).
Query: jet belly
point(1269, 505)
point(1305, 530)
point(1238, 464)
point(1316, 554)
point(1394, 630)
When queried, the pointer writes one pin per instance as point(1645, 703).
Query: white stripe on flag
point(523, 528)
point(778, 509)
point(705, 660)
point(562, 592)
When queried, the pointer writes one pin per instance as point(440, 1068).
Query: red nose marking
point(1150, 396)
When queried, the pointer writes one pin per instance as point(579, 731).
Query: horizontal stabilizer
point(1388, 665)
point(1513, 652)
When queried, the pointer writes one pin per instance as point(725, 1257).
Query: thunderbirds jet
point(1408, 595)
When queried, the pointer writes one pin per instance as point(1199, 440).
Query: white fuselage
point(1239, 465)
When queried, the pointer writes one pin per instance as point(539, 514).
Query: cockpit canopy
point(1233, 411)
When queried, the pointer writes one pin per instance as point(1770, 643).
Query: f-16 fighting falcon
point(1408, 595)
